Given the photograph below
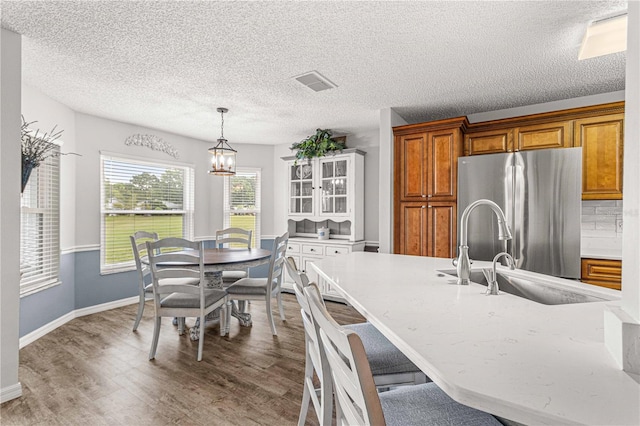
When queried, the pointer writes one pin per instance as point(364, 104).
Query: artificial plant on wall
point(318, 145)
point(36, 148)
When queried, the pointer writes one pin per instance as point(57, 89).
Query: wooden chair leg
point(270, 316)
point(281, 307)
point(223, 320)
point(140, 312)
point(306, 395)
point(326, 398)
point(156, 335)
point(181, 323)
point(201, 342)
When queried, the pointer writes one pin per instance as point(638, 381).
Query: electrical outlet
point(618, 225)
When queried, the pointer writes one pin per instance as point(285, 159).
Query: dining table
point(217, 260)
point(521, 360)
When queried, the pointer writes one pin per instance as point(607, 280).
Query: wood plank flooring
point(95, 371)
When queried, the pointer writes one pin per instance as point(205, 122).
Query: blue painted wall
point(48, 305)
point(83, 286)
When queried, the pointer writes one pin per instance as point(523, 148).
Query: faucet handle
point(454, 261)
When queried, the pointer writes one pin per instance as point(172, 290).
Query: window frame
point(187, 211)
point(257, 233)
point(48, 193)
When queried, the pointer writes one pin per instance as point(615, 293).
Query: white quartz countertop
point(518, 359)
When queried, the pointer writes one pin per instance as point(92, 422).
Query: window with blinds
point(40, 227)
point(138, 195)
point(242, 202)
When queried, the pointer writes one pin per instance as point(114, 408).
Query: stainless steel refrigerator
point(540, 194)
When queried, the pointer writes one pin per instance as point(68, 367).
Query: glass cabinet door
point(301, 188)
point(334, 186)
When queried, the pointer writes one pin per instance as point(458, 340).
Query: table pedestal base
point(214, 280)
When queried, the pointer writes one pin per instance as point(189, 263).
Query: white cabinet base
point(308, 250)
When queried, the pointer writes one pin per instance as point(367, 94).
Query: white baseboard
point(47, 328)
point(10, 392)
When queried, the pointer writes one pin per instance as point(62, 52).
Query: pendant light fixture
point(224, 157)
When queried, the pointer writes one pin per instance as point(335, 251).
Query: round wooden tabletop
point(225, 256)
point(225, 259)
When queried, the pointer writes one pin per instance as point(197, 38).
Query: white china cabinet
point(324, 193)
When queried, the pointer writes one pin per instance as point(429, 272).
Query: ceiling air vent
point(314, 81)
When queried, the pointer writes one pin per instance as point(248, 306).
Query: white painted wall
point(95, 134)
point(10, 165)
point(36, 106)
point(631, 183)
point(388, 119)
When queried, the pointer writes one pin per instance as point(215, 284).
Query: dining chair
point(357, 400)
point(390, 367)
point(265, 288)
point(233, 237)
point(174, 291)
point(138, 244)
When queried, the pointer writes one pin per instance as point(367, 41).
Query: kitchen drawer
point(335, 250)
point(313, 249)
point(293, 248)
point(605, 273)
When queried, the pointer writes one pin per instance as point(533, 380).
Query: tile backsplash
point(602, 218)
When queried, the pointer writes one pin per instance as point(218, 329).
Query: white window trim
point(53, 236)
point(189, 202)
point(258, 210)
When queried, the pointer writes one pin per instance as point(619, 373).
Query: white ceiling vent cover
point(314, 81)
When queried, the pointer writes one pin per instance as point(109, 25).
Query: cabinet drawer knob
point(423, 207)
point(424, 196)
point(429, 196)
point(336, 252)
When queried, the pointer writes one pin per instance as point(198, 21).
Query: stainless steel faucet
point(492, 279)
point(462, 263)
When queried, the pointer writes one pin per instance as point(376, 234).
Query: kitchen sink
point(540, 290)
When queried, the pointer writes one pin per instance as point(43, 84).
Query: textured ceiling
point(169, 64)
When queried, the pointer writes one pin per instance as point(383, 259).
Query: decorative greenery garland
point(318, 145)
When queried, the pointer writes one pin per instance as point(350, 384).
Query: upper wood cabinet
point(601, 139)
point(426, 160)
point(598, 129)
point(520, 138)
point(488, 142)
point(543, 136)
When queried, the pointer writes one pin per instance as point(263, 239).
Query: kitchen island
point(512, 357)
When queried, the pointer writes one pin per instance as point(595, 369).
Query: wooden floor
point(95, 371)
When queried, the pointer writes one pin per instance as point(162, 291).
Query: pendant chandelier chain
point(221, 124)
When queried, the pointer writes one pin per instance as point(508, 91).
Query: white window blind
point(40, 227)
point(242, 195)
point(138, 195)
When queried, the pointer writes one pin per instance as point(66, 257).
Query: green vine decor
point(318, 145)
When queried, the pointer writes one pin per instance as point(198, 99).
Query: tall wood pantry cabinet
point(425, 187)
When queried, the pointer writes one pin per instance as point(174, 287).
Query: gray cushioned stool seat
point(383, 356)
point(249, 286)
point(430, 406)
point(184, 300)
point(233, 276)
